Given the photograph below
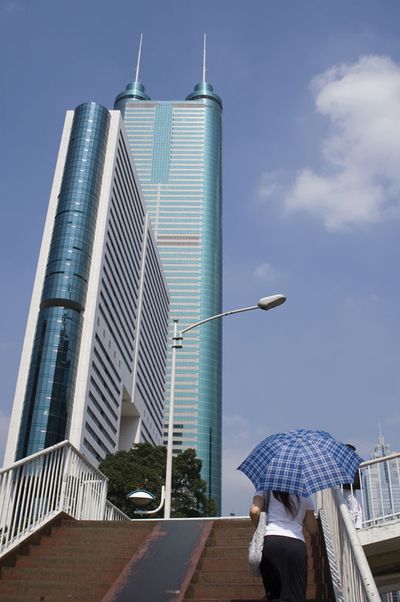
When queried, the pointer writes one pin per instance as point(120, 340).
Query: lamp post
point(265, 303)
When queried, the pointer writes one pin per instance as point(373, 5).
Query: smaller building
point(94, 356)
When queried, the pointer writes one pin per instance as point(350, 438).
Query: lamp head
point(141, 497)
point(271, 302)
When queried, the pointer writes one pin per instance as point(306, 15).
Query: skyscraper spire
point(381, 442)
point(135, 90)
point(138, 59)
point(204, 56)
point(204, 89)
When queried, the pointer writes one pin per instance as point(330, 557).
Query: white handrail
point(350, 571)
point(37, 488)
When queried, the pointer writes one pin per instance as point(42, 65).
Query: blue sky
point(311, 94)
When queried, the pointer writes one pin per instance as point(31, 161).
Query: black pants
point(284, 568)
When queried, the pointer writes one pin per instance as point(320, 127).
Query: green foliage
point(143, 467)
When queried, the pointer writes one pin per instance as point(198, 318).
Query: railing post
point(67, 451)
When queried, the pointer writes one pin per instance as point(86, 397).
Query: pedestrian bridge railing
point(352, 579)
point(379, 493)
point(37, 488)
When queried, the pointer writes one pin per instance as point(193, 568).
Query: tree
point(143, 467)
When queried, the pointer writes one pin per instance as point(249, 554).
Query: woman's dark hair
point(287, 501)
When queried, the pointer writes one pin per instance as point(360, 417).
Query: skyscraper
point(381, 484)
point(93, 362)
point(176, 146)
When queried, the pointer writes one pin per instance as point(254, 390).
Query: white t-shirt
point(281, 522)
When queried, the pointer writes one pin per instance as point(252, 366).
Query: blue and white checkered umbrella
point(300, 462)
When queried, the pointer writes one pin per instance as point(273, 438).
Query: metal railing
point(380, 490)
point(37, 488)
point(351, 575)
point(113, 513)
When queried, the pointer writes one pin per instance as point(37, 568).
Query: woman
point(284, 561)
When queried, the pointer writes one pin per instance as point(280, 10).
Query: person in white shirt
point(284, 561)
point(350, 491)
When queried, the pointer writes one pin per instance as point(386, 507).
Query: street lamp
point(265, 303)
point(141, 497)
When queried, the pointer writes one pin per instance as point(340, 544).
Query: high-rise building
point(176, 146)
point(381, 484)
point(381, 494)
point(94, 356)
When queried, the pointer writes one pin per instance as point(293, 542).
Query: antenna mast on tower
point(204, 56)
point(138, 59)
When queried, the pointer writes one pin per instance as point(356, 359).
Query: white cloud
point(361, 183)
point(266, 273)
point(270, 184)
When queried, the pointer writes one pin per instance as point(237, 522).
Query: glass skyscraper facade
point(381, 484)
point(176, 146)
point(94, 358)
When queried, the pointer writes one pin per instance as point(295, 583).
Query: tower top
point(135, 90)
point(204, 89)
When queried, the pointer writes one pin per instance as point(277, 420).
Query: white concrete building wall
point(16, 415)
point(125, 322)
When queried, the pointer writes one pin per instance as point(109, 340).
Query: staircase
point(77, 560)
point(83, 560)
point(222, 572)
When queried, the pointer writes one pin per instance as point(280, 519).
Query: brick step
point(223, 592)
point(222, 564)
point(60, 597)
point(105, 524)
point(91, 542)
point(233, 522)
point(94, 536)
point(235, 592)
point(220, 552)
point(227, 542)
point(226, 577)
point(77, 560)
point(240, 599)
point(231, 577)
point(89, 533)
point(97, 575)
point(67, 551)
point(105, 527)
point(58, 589)
point(230, 529)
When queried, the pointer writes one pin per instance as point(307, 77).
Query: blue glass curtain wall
point(53, 367)
point(210, 369)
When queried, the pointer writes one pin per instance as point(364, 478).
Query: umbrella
point(301, 462)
